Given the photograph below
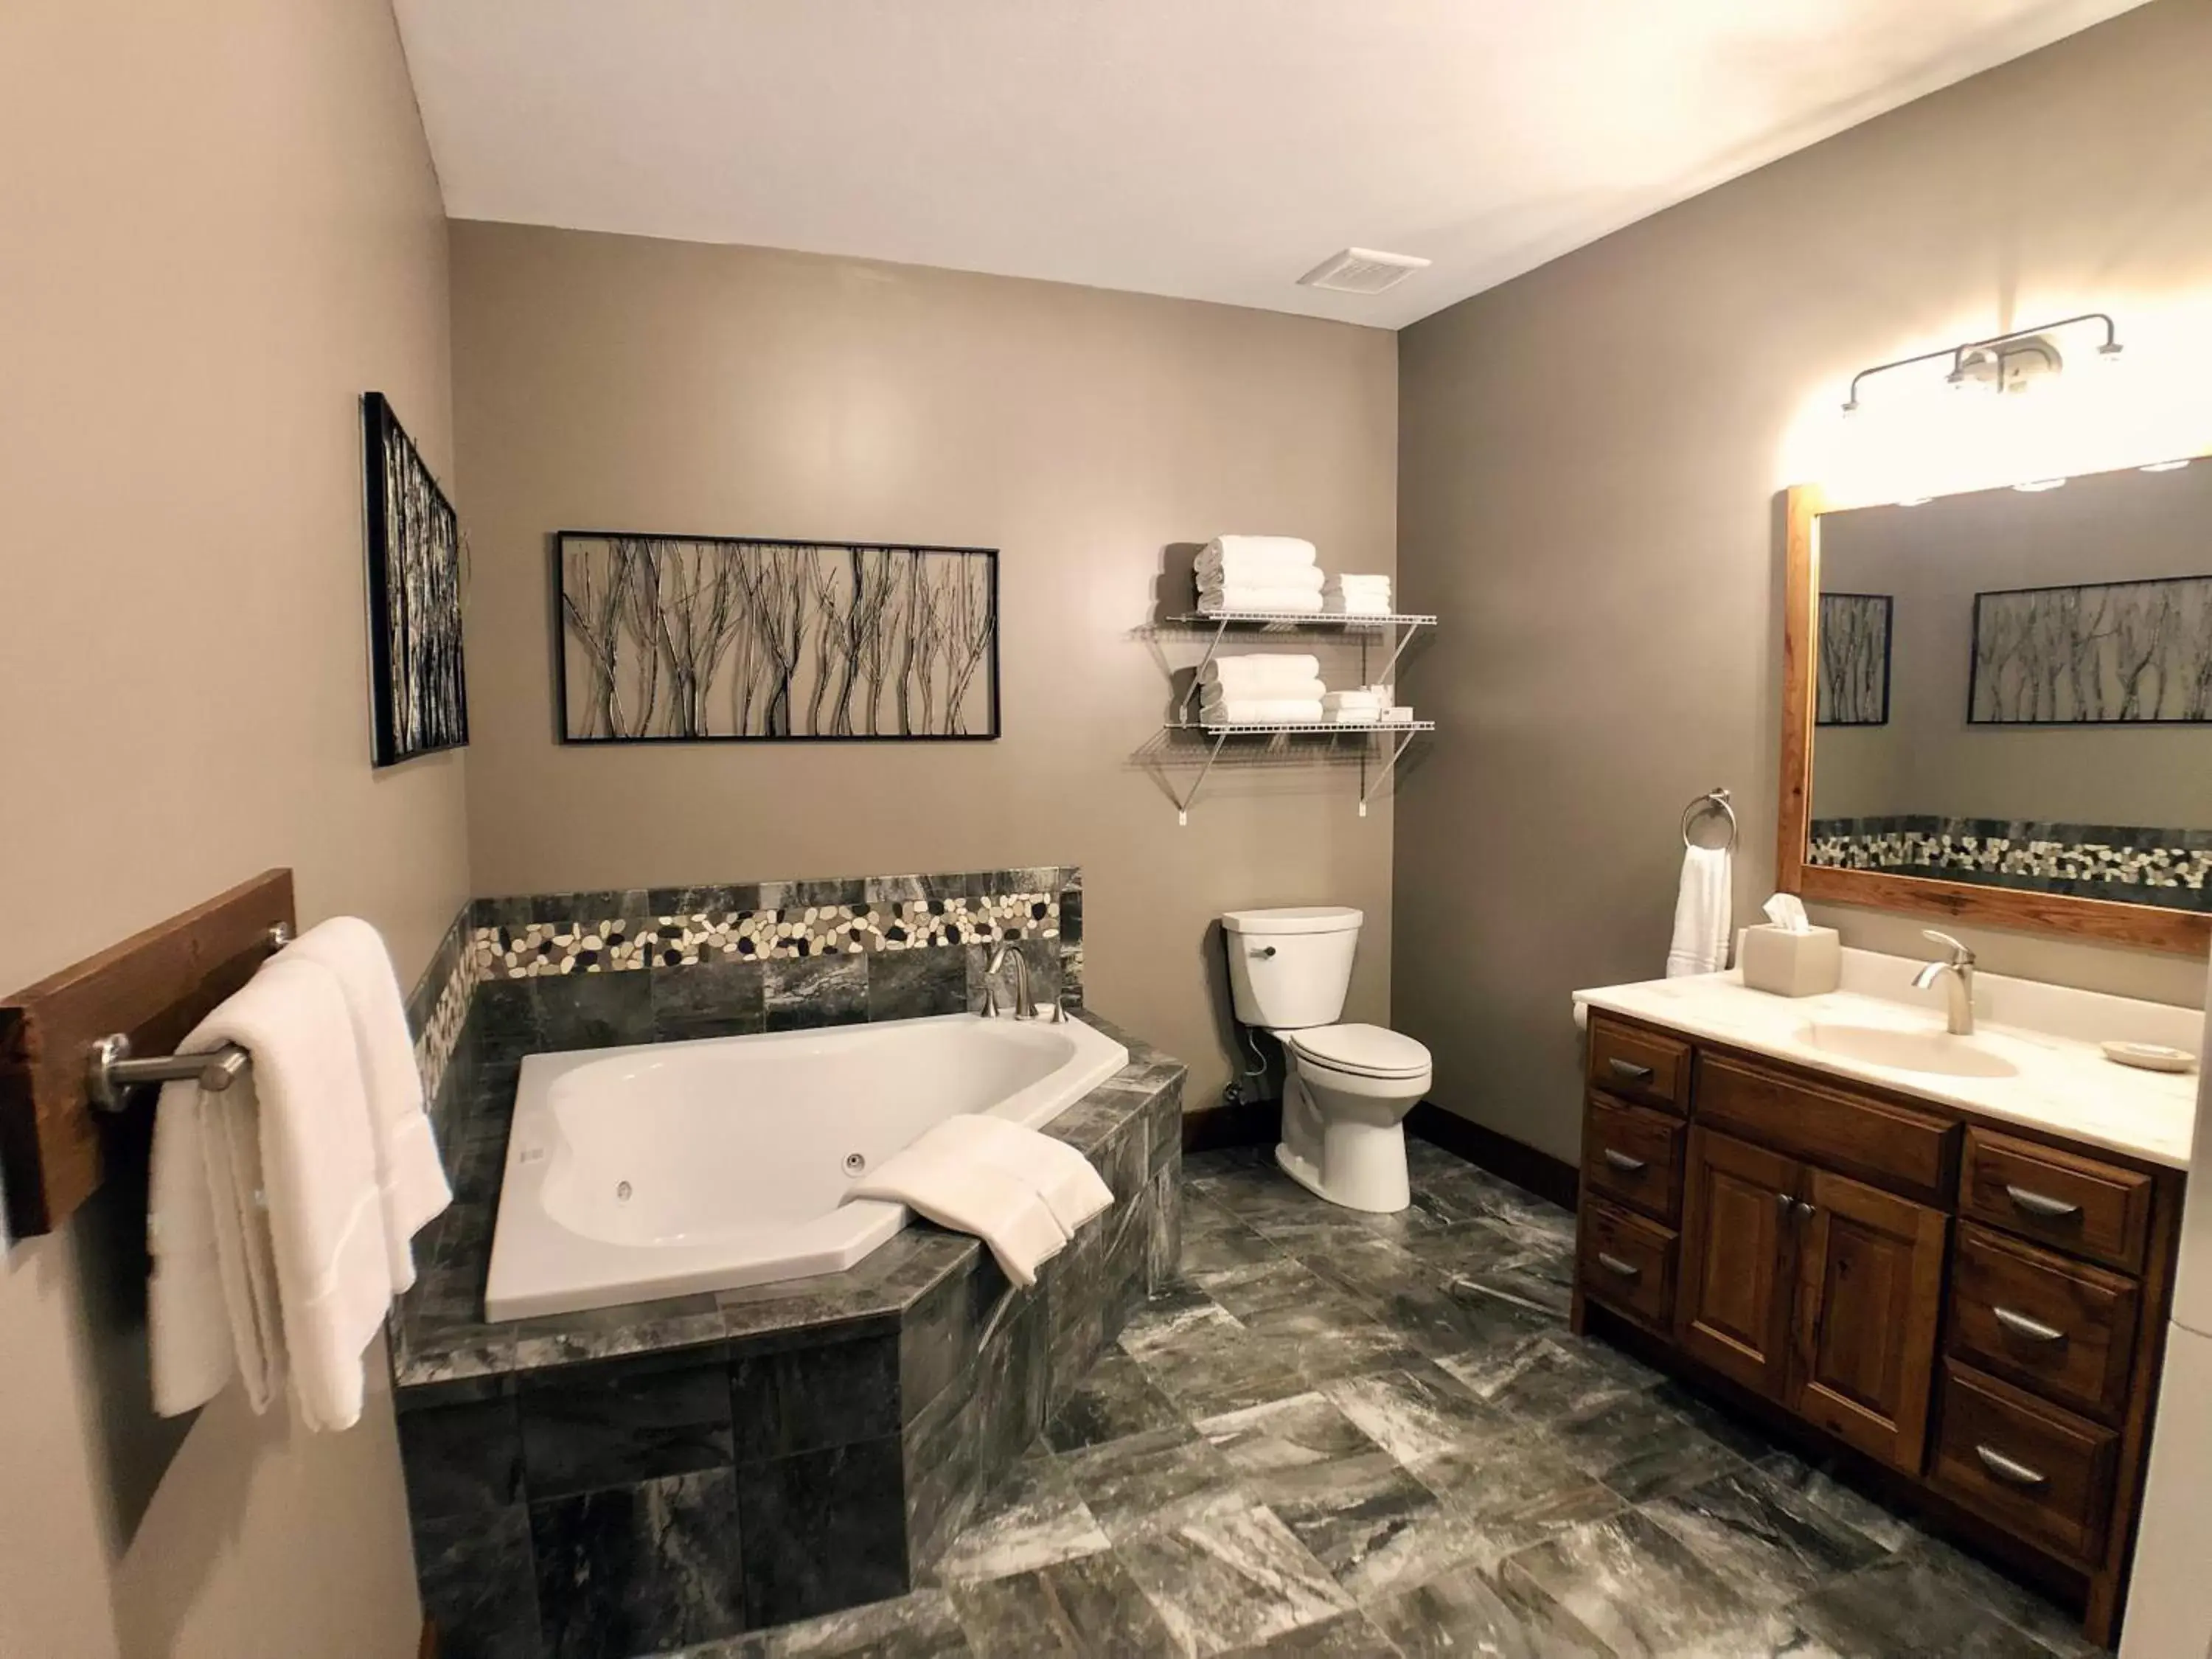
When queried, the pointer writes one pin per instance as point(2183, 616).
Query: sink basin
point(1907, 1050)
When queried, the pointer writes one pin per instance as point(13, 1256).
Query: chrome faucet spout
point(1958, 972)
point(1025, 1005)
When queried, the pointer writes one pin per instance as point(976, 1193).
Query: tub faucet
point(1960, 971)
point(1025, 1001)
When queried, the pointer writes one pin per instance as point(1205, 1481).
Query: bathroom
point(991, 285)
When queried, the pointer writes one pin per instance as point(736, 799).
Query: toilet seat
point(1370, 1051)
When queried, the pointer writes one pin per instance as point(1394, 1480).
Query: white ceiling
point(1210, 149)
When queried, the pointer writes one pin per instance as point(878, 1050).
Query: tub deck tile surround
point(642, 1477)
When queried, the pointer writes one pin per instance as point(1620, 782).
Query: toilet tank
point(1290, 969)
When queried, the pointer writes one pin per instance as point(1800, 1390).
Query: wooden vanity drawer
point(2041, 1472)
point(2054, 1327)
point(1625, 1262)
point(1876, 1140)
point(1633, 1155)
point(1639, 1065)
point(2077, 1204)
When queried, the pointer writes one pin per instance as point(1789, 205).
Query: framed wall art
point(417, 680)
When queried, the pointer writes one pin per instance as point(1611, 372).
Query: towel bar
point(111, 1071)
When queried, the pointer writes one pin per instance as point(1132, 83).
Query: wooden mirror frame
point(2109, 921)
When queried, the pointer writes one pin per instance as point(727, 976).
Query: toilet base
point(1353, 1155)
point(1349, 1196)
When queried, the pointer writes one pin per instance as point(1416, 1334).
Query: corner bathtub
point(670, 1168)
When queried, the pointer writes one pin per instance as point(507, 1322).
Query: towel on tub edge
point(1015, 1189)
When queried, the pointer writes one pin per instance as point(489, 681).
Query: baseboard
point(1540, 1173)
point(428, 1648)
point(1248, 1123)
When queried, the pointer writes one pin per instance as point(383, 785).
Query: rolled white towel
point(1262, 668)
point(1306, 691)
point(1263, 711)
point(1271, 601)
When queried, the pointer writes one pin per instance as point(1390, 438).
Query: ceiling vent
point(1362, 270)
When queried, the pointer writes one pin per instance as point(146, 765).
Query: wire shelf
point(1300, 619)
point(1239, 729)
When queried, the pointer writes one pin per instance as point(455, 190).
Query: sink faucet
point(1024, 1000)
point(1960, 969)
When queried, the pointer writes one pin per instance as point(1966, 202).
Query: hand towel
point(1262, 711)
point(1339, 605)
point(1271, 601)
point(1701, 914)
point(1059, 1175)
point(1009, 1215)
point(1253, 665)
point(1361, 698)
point(1354, 584)
point(292, 1208)
point(1368, 716)
point(1271, 690)
point(410, 1178)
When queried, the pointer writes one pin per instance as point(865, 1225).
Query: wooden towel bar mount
point(150, 990)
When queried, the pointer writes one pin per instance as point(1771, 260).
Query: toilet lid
point(1364, 1050)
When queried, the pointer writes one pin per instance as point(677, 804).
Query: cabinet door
point(1869, 1300)
point(1732, 1300)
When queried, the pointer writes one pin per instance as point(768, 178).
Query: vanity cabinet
point(1977, 1307)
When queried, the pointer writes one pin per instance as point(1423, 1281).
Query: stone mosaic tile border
point(2171, 868)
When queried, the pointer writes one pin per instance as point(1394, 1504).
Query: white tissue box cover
point(1788, 964)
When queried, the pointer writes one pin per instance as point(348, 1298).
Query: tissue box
point(1791, 964)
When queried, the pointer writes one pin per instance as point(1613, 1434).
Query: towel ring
point(1713, 800)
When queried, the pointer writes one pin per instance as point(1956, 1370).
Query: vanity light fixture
point(1916, 501)
point(2037, 486)
point(2004, 363)
point(2163, 466)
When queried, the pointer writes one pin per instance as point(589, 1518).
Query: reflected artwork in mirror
point(2001, 704)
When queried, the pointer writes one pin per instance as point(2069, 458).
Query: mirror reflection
point(2013, 687)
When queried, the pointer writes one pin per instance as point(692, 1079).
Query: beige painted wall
point(1590, 458)
point(218, 226)
point(619, 383)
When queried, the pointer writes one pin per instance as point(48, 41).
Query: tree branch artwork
point(414, 553)
point(706, 638)
point(2137, 653)
point(1853, 681)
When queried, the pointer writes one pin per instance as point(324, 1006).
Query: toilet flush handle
point(1262, 950)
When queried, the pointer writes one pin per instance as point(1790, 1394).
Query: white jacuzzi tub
point(668, 1168)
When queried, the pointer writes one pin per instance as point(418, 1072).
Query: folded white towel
point(1280, 552)
point(1398, 714)
point(285, 1195)
point(1310, 690)
point(1262, 711)
point(1262, 668)
point(1246, 573)
point(1341, 604)
point(1334, 701)
point(1005, 1211)
point(1347, 583)
point(410, 1176)
point(1063, 1177)
point(1701, 914)
point(1272, 601)
point(1369, 716)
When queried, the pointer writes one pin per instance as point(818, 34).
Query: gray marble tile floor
point(1341, 1435)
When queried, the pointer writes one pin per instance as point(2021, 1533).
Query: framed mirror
point(1998, 705)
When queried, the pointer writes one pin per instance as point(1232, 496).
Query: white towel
point(1701, 914)
point(285, 1197)
point(1271, 690)
point(1262, 711)
point(410, 1176)
point(1253, 667)
point(1063, 1177)
point(1007, 1213)
point(1361, 698)
point(1260, 574)
point(1352, 583)
point(1257, 553)
point(1271, 601)
point(1368, 716)
point(1353, 604)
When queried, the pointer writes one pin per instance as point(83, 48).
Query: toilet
point(1347, 1088)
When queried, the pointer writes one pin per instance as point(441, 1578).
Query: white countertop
point(2065, 1084)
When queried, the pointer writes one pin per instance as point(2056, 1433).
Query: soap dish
point(2150, 1056)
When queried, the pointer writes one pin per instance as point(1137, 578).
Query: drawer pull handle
point(2020, 1325)
point(1622, 1161)
point(1629, 1071)
point(2041, 1204)
point(2011, 1472)
point(1619, 1269)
